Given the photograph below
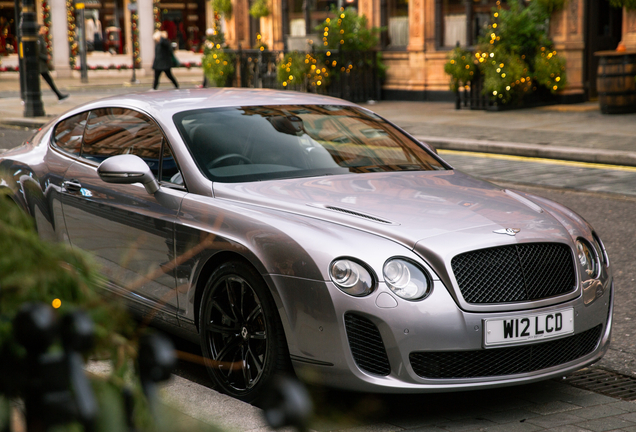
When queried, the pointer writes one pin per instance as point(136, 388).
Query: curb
point(578, 154)
point(31, 123)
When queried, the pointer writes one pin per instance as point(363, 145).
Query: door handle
point(72, 186)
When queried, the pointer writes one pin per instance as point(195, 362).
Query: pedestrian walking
point(164, 56)
point(43, 64)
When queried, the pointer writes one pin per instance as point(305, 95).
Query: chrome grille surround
point(515, 273)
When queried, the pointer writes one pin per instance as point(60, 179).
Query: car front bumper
point(328, 348)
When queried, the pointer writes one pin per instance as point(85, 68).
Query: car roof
point(167, 103)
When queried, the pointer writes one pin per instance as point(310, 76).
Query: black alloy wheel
point(241, 334)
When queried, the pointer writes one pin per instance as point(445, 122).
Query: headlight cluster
point(351, 277)
point(405, 279)
point(589, 258)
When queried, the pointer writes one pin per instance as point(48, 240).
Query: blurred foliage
point(549, 70)
point(260, 45)
point(515, 54)
point(293, 68)
point(35, 271)
point(627, 4)
point(348, 31)
point(217, 64)
point(506, 75)
point(551, 6)
point(461, 67)
point(223, 8)
point(260, 9)
point(32, 270)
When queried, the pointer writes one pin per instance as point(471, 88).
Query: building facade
point(416, 41)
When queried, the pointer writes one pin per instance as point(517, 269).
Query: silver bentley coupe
point(285, 231)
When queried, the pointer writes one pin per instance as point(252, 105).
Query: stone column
point(272, 26)
point(417, 24)
point(146, 23)
point(237, 31)
point(629, 29)
point(59, 30)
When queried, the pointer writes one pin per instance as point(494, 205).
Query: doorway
point(604, 31)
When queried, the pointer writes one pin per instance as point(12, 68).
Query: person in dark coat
point(44, 65)
point(163, 58)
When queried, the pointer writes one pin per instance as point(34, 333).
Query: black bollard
point(56, 390)
point(287, 404)
point(156, 360)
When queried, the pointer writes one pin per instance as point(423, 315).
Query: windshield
point(242, 144)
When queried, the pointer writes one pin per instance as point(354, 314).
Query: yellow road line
point(540, 160)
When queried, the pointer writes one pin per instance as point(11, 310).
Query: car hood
point(406, 207)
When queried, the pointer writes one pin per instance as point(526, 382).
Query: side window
point(116, 131)
point(169, 170)
point(67, 135)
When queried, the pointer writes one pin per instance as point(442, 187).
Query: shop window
point(398, 23)
point(460, 23)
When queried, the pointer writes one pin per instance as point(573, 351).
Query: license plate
point(524, 328)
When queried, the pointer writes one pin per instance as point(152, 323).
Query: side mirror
point(128, 169)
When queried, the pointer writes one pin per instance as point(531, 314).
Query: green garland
point(46, 20)
point(72, 33)
point(134, 21)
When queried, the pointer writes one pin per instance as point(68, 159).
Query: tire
point(241, 334)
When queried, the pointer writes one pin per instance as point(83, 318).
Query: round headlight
point(351, 277)
point(405, 279)
point(587, 258)
point(601, 249)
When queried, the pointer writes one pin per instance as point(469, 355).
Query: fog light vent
point(366, 345)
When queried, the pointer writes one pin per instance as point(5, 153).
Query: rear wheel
point(241, 334)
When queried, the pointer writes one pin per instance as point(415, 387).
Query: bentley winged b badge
point(509, 231)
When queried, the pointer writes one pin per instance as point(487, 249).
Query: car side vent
point(354, 213)
point(366, 345)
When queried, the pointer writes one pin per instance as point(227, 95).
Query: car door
point(41, 187)
point(129, 231)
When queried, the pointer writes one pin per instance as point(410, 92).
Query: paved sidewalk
point(570, 132)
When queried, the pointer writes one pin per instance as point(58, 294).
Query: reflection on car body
point(284, 230)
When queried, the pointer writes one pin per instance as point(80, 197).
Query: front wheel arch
point(240, 331)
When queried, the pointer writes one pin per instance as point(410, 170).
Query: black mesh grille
point(366, 345)
point(504, 361)
point(515, 273)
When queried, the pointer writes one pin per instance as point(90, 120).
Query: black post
point(33, 106)
point(17, 8)
point(132, 7)
point(80, 6)
point(307, 16)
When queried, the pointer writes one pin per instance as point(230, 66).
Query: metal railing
point(471, 95)
point(355, 78)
